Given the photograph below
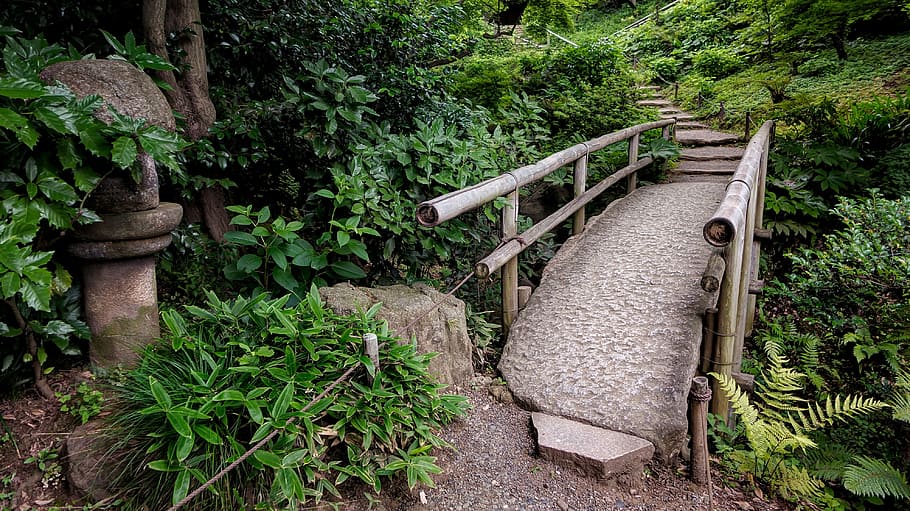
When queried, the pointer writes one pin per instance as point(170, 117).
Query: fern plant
point(778, 426)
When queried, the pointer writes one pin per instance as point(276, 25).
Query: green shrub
point(717, 62)
point(892, 174)
point(487, 81)
point(227, 375)
point(666, 68)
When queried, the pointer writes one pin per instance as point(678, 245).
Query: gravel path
point(495, 467)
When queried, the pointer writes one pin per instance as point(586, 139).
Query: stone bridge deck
point(611, 336)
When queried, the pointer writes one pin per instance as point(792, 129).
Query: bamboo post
point(675, 91)
point(728, 308)
point(758, 231)
point(510, 269)
point(524, 294)
point(632, 180)
point(701, 394)
point(709, 340)
point(580, 184)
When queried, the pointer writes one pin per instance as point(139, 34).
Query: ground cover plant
point(229, 373)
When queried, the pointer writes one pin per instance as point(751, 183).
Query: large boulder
point(443, 330)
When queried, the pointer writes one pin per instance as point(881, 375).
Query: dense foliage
point(54, 152)
point(230, 373)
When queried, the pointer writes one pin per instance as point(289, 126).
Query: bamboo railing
point(448, 206)
point(737, 227)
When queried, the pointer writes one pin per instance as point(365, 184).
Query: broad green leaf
point(229, 395)
point(268, 458)
point(56, 118)
point(343, 238)
point(181, 487)
point(57, 190)
point(160, 395)
point(284, 400)
point(184, 447)
point(179, 423)
point(208, 434)
point(249, 263)
point(37, 296)
point(124, 152)
point(11, 120)
point(348, 270)
point(20, 88)
point(161, 466)
point(241, 238)
point(285, 279)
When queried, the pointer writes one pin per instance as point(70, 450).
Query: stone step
point(679, 117)
point(698, 178)
point(707, 167)
point(711, 153)
point(649, 87)
point(690, 125)
point(655, 102)
point(672, 110)
point(705, 137)
point(596, 452)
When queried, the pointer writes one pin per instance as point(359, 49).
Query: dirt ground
point(493, 466)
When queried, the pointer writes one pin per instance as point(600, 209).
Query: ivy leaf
point(124, 152)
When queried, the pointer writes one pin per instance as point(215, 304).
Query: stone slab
point(711, 153)
point(690, 125)
point(702, 137)
point(655, 102)
point(611, 335)
point(707, 166)
point(722, 179)
point(670, 110)
point(594, 451)
point(678, 117)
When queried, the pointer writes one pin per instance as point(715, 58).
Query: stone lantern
point(118, 254)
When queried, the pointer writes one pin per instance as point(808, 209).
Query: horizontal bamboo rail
point(450, 205)
point(446, 207)
point(735, 226)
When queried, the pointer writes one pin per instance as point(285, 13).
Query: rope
point(701, 396)
point(347, 374)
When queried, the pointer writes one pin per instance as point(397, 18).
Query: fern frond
point(870, 477)
point(739, 400)
point(828, 461)
point(795, 482)
point(900, 400)
point(837, 409)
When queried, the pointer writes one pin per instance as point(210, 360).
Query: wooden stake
point(698, 411)
point(510, 268)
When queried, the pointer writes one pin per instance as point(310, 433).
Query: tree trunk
point(190, 94)
point(839, 41)
point(190, 84)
